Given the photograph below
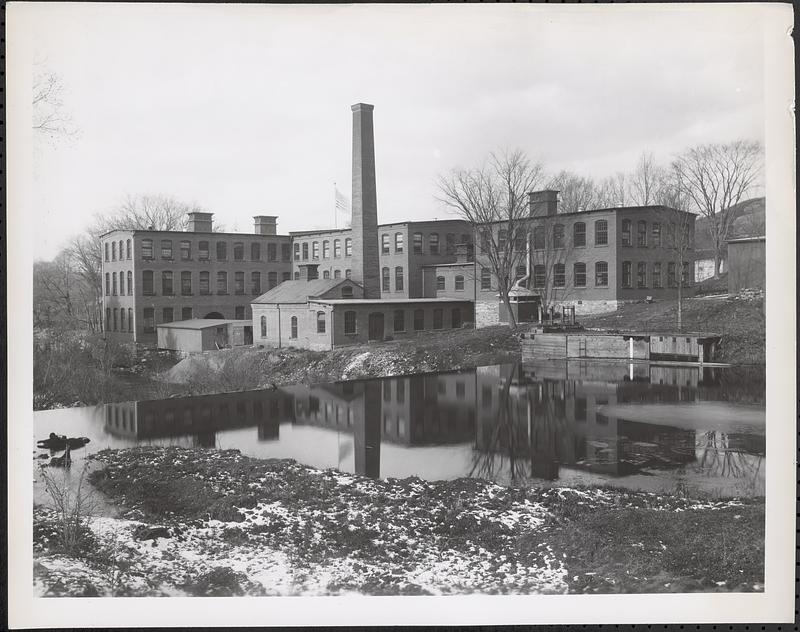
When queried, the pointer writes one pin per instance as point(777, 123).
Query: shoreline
point(216, 523)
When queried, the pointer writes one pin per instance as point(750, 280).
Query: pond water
point(636, 426)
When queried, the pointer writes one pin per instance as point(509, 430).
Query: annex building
point(363, 283)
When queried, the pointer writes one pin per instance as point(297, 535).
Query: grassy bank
point(218, 523)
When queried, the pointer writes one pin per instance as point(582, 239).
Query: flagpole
point(335, 225)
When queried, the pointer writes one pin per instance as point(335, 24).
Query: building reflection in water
point(520, 421)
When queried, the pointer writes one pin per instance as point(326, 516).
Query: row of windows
point(398, 279)
point(656, 280)
point(398, 321)
point(204, 252)
point(326, 274)
point(301, 250)
point(116, 319)
point(114, 249)
point(186, 280)
point(418, 243)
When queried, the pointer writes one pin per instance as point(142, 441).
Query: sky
point(245, 109)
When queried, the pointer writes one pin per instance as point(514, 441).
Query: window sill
point(187, 294)
point(222, 294)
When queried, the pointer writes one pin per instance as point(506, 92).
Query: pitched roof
point(298, 291)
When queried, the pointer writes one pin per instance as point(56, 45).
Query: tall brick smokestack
point(365, 268)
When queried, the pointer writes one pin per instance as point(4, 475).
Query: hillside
point(749, 221)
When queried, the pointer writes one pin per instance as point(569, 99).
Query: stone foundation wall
point(591, 307)
point(487, 313)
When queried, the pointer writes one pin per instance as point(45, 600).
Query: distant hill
point(750, 220)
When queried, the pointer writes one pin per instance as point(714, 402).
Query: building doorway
point(214, 315)
point(248, 335)
point(376, 326)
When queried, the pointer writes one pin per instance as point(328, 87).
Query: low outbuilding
point(204, 334)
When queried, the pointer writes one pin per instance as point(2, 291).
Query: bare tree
point(715, 178)
point(678, 235)
point(612, 191)
point(646, 181)
point(494, 199)
point(50, 117)
point(576, 193)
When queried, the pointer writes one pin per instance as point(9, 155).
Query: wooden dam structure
point(550, 343)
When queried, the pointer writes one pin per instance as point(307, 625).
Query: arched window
point(486, 279)
point(320, 322)
point(186, 283)
point(450, 243)
point(337, 248)
point(166, 283)
point(255, 251)
point(114, 283)
point(122, 318)
point(398, 279)
point(186, 250)
point(626, 232)
point(601, 233)
point(238, 251)
point(272, 279)
point(147, 282)
point(128, 252)
point(417, 243)
point(205, 283)
point(626, 273)
point(130, 283)
point(147, 249)
point(601, 274)
point(263, 326)
point(538, 276)
point(130, 319)
point(559, 275)
point(558, 236)
point(305, 252)
point(202, 251)
point(455, 318)
point(460, 283)
point(441, 283)
point(113, 251)
point(385, 244)
point(348, 247)
point(296, 276)
point(255, 283)
point(347, 291)
point(385, 279)
point(433, 243)
point(538, 238)
point(105, 258)
point(326, 249)
point(657, 234)
point(297, 252)
point(398, 242)
point(579, 234)
point(337, 274)
point(579, 274)
point(108, 284)
point(347, 274)
point(222, 251)
point(419, 319)
point(399, 320)
point(166, 249)
point(222, 282)
point(641, 234)
point(121, 243)
point(294, 327)
point(326, 274)
point(349, 323)
point(315, 250)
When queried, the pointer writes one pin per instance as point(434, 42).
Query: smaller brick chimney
point(199, 222)
point(543, 203)
point(265, 224)
point(309, 271)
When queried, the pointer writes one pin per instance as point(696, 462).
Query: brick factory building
point(593, 260)
point(152, 277)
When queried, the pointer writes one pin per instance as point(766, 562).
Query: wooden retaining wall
point(582, 345)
